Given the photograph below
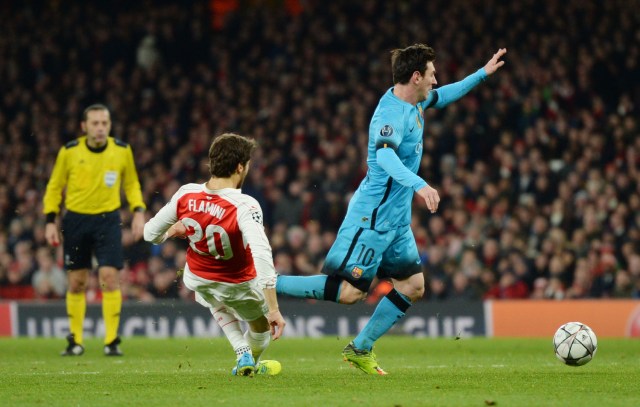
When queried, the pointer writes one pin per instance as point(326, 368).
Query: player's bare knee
point(351, 295)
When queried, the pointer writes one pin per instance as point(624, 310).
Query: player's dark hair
point(227, 151)
point(406, 61)
point(95, 106)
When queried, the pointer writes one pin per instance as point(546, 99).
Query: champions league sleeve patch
point(386, 131)
point(257, 216)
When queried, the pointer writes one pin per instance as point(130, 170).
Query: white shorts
point(245, 300)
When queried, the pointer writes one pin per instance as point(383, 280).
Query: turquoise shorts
point(358, 255)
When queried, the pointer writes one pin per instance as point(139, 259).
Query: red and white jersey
point(227, 242)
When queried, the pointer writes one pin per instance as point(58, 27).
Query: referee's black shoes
point(73, 348)
point(113, 349)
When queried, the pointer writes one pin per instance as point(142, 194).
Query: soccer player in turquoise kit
point(375, 238)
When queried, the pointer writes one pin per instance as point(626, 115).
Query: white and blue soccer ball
point(575, 344)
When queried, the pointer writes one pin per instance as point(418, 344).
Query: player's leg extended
point(390, 309)
point(357, 268)
point(339, 260)
point(401, 263)
point(302, 286)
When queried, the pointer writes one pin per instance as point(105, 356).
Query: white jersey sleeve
point(156, 227)
point(250, 223)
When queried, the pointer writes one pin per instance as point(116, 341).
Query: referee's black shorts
point(87, 235)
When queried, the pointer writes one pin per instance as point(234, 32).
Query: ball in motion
point(575, 344)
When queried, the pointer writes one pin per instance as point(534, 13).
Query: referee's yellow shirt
point(93, 178)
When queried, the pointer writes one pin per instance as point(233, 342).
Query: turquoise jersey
point(383, 202)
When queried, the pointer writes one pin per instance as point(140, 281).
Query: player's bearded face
point(97, 127)
point(427, 82)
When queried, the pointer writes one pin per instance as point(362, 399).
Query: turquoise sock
point(302, 286)
point(387, 313)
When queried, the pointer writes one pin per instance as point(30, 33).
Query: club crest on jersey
point(386, 131)
point(257, 217)
point(356, 272)
point(110, 178)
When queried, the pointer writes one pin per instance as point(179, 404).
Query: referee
point(92, 168)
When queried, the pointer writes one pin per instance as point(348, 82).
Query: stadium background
point(538, 169)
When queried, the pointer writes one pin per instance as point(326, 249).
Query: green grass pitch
point(422, 372)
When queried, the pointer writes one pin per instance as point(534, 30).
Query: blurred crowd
point(538, 169)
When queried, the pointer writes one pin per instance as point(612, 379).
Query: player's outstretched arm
point(494, 63)
point(447, 94)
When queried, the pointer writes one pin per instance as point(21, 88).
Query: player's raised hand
point(276, 323)
point(494, 63)
point(431, 198)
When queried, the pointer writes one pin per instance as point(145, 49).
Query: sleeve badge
point(257, 216)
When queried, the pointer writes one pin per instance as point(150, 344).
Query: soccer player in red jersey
point(229, 261)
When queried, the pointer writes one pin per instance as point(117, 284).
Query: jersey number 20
point(211, 232)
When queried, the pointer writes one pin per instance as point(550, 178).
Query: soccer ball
point(575, 344)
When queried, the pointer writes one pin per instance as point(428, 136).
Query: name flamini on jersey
point(209, 207)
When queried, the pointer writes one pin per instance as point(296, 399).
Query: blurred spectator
point(623, 287)
point(147, 55)
point(164, 284)
point(508, 287)
point(461, 288)
point(49, 280)
point(555, 290)
point(582, 281)
point(540, 286)
point(18, 272)
point(437, 289)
